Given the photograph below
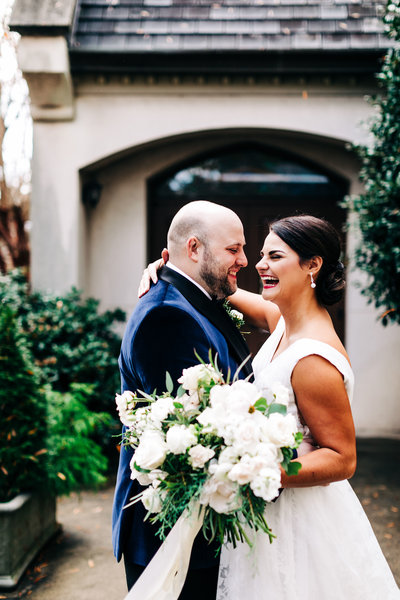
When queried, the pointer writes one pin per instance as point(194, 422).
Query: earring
point(313, 284)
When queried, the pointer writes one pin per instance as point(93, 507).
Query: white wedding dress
point(325, 548)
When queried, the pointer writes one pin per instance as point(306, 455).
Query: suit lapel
point(214, 312)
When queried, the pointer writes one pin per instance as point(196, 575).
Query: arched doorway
point(260, 184)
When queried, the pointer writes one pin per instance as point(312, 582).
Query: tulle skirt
point(325, 549)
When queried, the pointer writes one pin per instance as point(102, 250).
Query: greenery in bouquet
point(216, 444)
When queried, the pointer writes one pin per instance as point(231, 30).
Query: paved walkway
point(78, 564)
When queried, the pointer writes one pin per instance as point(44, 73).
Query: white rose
point(242, 472)
point(143, 478)
point(151, 451)
point(193, 376)
point(151, 500)
point(125, 405)
point(180, 438)
point(270, 453)
point(228, 455)
point(211, 419)
point(141, 417)
point(267, 483)
point(280, 429)
point(156, 476)
point(220, 495)
point(248, 468)
point(281, 393)
point(161, 408)
point(199, 455)
point(191, 402)
point(236, 314)
point(219, 470)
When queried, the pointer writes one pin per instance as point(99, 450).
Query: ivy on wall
point(378, 207)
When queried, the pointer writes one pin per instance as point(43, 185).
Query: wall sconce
point(91, 192)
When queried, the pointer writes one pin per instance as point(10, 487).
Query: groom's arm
point(165, 341)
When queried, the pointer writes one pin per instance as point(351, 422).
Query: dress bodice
point(280, 369)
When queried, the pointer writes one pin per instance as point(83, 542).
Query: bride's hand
point(150, 273)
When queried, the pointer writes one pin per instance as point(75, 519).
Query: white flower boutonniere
point(235, 315)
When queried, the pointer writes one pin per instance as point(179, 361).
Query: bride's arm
point(256, 311)
point(324, 406)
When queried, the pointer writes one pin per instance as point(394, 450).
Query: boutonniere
point(235, 315)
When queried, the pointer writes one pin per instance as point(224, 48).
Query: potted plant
point(27, 512)
point(46, 449)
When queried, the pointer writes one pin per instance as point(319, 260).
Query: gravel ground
point(78, 563)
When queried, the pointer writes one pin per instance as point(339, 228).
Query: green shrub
point(70, 343)
point(45, 435)
point(378, 207)
point(74, 460)
point(22, 414)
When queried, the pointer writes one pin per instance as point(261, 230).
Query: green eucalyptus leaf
point(169, 383)
point(277, 408)
point(261, 405)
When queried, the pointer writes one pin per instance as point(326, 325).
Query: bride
point(325, 548)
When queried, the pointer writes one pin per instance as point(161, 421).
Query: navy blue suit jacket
point(169, 323)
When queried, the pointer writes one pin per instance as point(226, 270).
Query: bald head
point(206, 241)
point(200, 219)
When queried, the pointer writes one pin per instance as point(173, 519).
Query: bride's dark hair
point(310, 236)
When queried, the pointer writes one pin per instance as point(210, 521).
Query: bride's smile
point(280, 269)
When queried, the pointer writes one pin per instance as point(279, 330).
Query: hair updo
point(310, 236)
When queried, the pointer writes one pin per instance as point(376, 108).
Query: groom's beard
point(216, 277)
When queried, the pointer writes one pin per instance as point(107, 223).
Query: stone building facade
point(142, 105)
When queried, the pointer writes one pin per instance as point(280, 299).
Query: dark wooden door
point(255, 211)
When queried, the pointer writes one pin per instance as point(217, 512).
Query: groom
point(178, 316)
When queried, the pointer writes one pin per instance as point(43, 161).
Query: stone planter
point(26, 523)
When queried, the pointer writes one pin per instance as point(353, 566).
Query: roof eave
point(263, 62)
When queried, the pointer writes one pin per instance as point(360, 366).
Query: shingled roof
point(220, 36)
point(236, 35)
point(182, 25)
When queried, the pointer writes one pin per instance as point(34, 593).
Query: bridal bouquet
point(215, 444)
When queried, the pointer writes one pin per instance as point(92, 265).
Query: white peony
point(220, 396)
point(199, 455)
point(151, 499)
point(125, 405)
point(180, 438)
point(280, 429)
point(243, 396)
point(151, 451)
point(245, 435)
